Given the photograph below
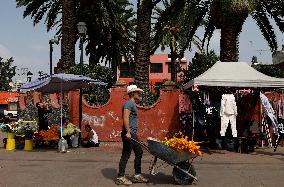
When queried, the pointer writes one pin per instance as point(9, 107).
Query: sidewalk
point(97, 167)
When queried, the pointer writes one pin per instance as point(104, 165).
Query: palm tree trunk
point(93, 50)
point(142, 48)
point(69, 31)
point(229, 44)
point(173, 65)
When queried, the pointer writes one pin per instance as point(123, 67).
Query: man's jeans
point(128, 146)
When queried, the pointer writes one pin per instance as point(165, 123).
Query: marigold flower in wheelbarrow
point(180, 142)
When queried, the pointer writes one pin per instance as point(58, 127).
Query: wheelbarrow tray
point(168, 154)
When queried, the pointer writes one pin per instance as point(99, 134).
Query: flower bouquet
point(9, 128)
point(70, 130)
point(180, 143)
point(49, 135)
point(27, 128)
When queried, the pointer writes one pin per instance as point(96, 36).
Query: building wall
point(156, 121)
point(158, 77)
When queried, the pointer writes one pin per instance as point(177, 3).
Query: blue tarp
point(61, 82)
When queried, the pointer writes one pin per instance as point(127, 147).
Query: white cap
point(133, 88)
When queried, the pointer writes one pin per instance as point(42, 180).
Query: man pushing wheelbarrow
point(177, 151)
point(129, 132)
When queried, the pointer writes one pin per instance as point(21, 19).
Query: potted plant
point(71, 134)
point(10, 129)
point(27, 128)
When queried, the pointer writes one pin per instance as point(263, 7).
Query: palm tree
point(37, 10)
point(69, 32)
point(51, 10)
point(110, 27)
point(229, 16)
point(142, 45)
point(173, 35)
point(110, 31)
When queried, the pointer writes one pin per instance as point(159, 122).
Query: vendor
point(91, 139)
point(42, 116)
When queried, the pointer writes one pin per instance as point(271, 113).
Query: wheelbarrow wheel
point(182, 178)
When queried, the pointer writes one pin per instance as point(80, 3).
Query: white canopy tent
point(235, 74)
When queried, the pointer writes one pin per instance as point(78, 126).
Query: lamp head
point(82, 28)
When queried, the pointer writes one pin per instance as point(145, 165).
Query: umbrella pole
point(80, 116)
point(61, 112)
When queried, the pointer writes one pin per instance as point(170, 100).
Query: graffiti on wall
point(114, 116)
point(94, 120)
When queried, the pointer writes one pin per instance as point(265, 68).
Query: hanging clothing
point(185, 106)
point(228, 105)
point(228, 113)
point(269, 112)
point(281, 107)
point(186, 123)
point(225, 120)
point(275, 106)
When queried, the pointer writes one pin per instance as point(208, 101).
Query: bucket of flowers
point(27, 128)
point(48, 136)
point(10, 129)
point(71, 134)
point(70, 130)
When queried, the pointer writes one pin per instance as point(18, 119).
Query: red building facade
point(159, 70)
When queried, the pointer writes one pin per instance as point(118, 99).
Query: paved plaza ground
point(97, 167)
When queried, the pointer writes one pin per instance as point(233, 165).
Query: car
point(11, 113)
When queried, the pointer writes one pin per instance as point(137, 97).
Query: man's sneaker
point(139, 179)
point(123, 181)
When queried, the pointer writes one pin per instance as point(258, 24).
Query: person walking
point(129, 132)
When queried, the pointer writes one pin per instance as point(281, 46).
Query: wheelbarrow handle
point(142, 144)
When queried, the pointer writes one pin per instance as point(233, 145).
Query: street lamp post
point(82, 29)
point(55, 40)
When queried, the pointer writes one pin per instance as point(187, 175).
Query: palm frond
point(266, 28)
point(209, 30)
point(276, 10)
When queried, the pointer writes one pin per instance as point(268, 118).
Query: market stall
point(57, 83)
point(226, 83)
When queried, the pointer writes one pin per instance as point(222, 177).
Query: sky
point(29, 47)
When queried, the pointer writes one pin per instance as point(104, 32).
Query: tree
point(7, 72)
point(96, 96)
point(142, 45)
point(270, 70)
point(254, 60)
point(110, 27)
point(173, 34)
point(51, 10)
point(69, 32)
point(229, 16)
point(201, 62)
point(110, 30)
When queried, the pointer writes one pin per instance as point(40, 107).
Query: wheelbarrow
point(183, 170)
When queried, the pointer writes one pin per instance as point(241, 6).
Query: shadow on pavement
point(269, 153)
point(159, 179)
point(109, 173)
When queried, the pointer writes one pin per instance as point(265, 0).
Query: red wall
point(156, 121)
